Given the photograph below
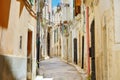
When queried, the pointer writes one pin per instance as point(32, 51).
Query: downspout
point(87, 32)
point(38, 32)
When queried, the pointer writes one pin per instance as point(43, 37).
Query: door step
point(41, 78)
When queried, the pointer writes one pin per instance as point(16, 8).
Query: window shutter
point(77, 2)
point(77, 7)
point(31, 2)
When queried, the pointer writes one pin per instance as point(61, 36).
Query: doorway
point(29, 55)
point(48, 44)
point(75, 51)
point(60, 46)
point(93, 74)
point(80, 49)
point(82, 52)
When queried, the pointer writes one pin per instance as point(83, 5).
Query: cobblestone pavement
point(58, 70)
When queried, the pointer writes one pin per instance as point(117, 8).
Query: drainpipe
point(87, 29)
point(38, 32)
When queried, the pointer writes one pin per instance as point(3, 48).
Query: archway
point(75, 51)
point(29, 55)
point(93, 77)
point(48, 44)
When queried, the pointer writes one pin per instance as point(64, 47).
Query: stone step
point(47, 78)
point(41, 78)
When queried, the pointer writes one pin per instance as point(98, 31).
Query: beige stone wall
point(70, 47)
point(19, 22)
point(18, 26)
point(114, 39)
point(77, 32)
point(101, 39)
point(55, 46)
point(107, 49)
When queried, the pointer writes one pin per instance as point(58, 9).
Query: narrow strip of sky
point(55, 3)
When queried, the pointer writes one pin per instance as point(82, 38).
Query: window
point(77, 5)
point(56, 35)
point(20, 42)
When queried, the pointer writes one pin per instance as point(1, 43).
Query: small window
point(20, 42)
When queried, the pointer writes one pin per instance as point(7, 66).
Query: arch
point(75, 50)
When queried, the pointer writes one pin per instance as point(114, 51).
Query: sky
point(55, 2)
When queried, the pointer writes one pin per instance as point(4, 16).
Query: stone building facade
point(17, 40)
point(93, 40)
point(46, 24)
point(55, 38)
point(104, 22)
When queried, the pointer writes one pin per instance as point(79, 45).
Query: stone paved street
point(58, 70)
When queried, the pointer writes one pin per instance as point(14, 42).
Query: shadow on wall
point(5, 70)
point(21, 7)
point(4, 13)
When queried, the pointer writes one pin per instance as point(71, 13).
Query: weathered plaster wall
point(107, 49)
point(19, 22)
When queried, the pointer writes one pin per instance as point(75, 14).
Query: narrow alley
point(59, 39)
point(59, 70)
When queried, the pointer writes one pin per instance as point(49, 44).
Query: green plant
point(89, 77)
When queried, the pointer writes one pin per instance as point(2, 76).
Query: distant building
point(46, 24)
